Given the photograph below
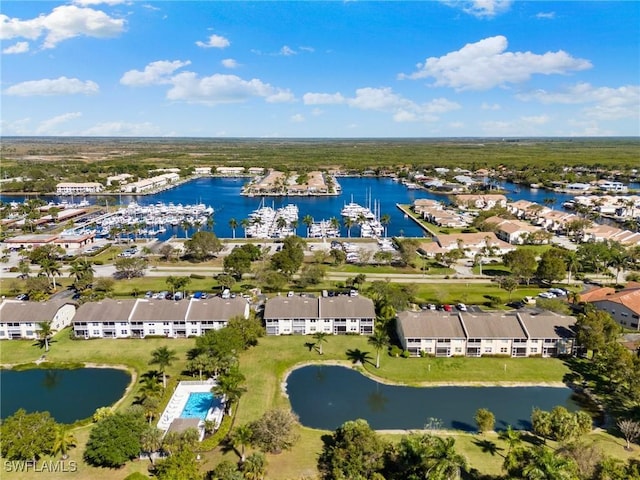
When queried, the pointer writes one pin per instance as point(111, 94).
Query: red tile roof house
point(623, 305)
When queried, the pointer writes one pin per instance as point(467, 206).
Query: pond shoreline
point(384, 381)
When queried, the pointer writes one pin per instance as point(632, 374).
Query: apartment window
point(152, 332)
point(194, 331)
point(488, 349)
point(503, 350)
point(458, 349)
point(534, 350)
point(488, 340)
point(96, 332)
point(167, 331)
point(29, 333)
point(123, 332)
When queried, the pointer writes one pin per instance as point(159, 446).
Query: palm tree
point(229, 385)
point(348, 223)
point(50, 268)
point(308, 221)
point(545, 464)
point(245, 223)
point(335, 224)
point(241, 436)
point(281, 223)
point(233, 224)
point(151, 440)
point(44, 334)
point(385, 220)
point(378, 340)
point(320, 338)
point(64, 441)
point(513, 438)
point(210, 223)
point(255, 467)
point(185, 225)
point(163, 357)
point(444, 462)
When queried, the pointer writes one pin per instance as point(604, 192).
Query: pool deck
point(179, 400)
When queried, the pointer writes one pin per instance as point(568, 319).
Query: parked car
point(149, 294)
point(462, 307)
point(446, 307)
point(197, 295)
point(177, 296)
point(22, 297)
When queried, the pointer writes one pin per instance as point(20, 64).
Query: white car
point(462, 307)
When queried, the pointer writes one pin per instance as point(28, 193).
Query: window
point(458, 350)
point(534, 350)
point(96, 332)
point(488, 349)
point(124, 332)
point(194, 331)
point(152, 332)
point(504, 349)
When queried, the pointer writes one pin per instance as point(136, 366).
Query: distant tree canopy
point(288, 260)
point(27, 436)
point(202, 245)
point(115, 440)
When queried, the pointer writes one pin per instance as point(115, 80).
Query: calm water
point(325, 397)
point(223, 194)
point(69, 395)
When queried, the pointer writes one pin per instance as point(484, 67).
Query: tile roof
point(490, 325)
point(106, 310)
point(16, 311)
point(429, 324)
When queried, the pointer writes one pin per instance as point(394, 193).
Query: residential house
point(21, 319)
point(511, 231)
point(202, 170)
point(156, 317)
point(473, 243)
point(153, 183)
point(303, 315)
point(435, 333)
point(520, 333)
point(480, 202)
point(73, 188)
point(623, 305)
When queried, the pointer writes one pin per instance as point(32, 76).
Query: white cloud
point(123, 129)
point(297, 118)
point(218, 89)
point(17, 127)
point(19, 47)
point(546, 15)
point(481, 8)
point(50, 126)
point(214, 41)
point(385, 100)
point(84, 3)
point(229, 63)
point(485, 64)
point(605, 103)
point(287, 51)
point(487, 106)
point(323, 98)
point(64, 22)
point(156, 73)
point(57, 86)
point(281, 96)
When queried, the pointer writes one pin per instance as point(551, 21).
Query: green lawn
point(265, 366)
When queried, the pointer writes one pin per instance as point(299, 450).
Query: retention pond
point(325, 397)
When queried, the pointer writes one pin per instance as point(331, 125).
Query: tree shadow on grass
point(310, 345)
point(487, 446)
point(357, 356)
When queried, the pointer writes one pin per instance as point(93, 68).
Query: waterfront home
point(156, 317)
point(480, 202)
point(435, 212)
point(512, 231)
point(202, 170)
point(623, 305)
point(526, 210)
point(20, 319)
point(470, 243)
point(600, 233)
point(121, 179)
point(149, 184)
point(303, 315)
point(433, 333)
point(72, 188)
point(512, 334)
point(611, 186)
point(65, 240)
point(230, 171)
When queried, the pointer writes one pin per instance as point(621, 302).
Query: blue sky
point(450, 68)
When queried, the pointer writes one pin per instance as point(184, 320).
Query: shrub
point(406, 354)
point(395, 351)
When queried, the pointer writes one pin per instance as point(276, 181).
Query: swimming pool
point(198, 405)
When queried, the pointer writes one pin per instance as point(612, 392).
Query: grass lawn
point(469, 293)
point(264, 367)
